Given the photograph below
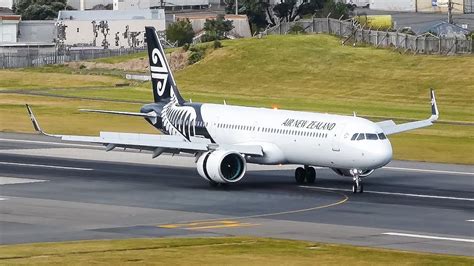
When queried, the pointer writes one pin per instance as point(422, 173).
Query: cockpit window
point(361, 136)
point(382, 136)
point(371, 136)
point(354, 136)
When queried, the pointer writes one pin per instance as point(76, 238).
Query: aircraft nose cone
point(383, 154)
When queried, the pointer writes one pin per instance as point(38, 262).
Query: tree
point(181, 32)
point(217, 29)
point(254, 9)
point(40, 9)
point(335, 10)
point(289, 10)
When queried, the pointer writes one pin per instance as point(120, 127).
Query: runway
point(51, 191)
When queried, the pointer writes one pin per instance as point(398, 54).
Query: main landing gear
point(306, 174)
point(357, 187)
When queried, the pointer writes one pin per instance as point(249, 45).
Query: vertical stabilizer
point(163, 83)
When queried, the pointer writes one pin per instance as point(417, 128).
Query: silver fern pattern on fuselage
point(179, 120)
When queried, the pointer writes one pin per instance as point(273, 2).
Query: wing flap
point(141, 141)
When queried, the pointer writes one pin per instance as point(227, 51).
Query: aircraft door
point(337, 137)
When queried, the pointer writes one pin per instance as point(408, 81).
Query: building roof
point(10, 17)
point(208, 16)
point(6, 11)
point(112, 14)
point(440, 28)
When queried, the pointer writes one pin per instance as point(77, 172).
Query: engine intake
point(222, 166)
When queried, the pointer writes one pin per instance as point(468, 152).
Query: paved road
point(52, 192)
point(420, 20)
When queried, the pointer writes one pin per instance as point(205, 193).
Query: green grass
point(307, 71)
point(61, 116)
point(121, 58)
point(214, 251)
point(28, 80)
point(301, 72)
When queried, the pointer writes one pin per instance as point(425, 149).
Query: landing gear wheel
point(310, 175)
point(300, 175)
point(357, 187)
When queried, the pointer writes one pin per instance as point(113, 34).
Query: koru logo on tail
point(159, 71)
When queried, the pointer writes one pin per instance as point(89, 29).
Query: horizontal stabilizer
point(151, 115)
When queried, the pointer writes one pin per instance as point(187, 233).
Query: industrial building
point(9, 28)
point(6, 3)
point(108, 28)
point(139, 4)
point(168, 4)
point(428, 6)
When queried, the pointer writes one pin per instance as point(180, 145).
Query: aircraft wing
point(389, 127)
point(156, 143)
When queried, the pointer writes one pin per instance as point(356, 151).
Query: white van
point(358, 3)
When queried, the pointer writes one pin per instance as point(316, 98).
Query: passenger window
point(382, 136)
point(354, 136)
point(361, 136)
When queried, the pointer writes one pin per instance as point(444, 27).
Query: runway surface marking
point(50, 143)
point(345, 198)
point(47, 166)
point(431, 237)
point(470, 220)
point(14, 180)
point(3, 199)
point(207, 225)
point(393, 193)
point(427, 171)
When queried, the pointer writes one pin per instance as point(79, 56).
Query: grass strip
point(214, 251)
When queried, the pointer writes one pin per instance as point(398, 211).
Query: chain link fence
point(19, 58)
point(354, 33)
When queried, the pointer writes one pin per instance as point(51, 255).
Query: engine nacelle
point(347, 172)
point(221, 166)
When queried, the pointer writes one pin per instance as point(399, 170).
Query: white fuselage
point(293, 137)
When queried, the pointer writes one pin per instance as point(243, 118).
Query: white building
point(109, 28)
point(167, 4)
point(432, 6)
point(6, 3)
point(9, 28)
point(87, 4)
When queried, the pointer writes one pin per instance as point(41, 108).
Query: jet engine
point(221, 166)
point(346, 172)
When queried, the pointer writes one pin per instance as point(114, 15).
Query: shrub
point(181, 32)
point(296, 28)
point(197, 53)
point(217, 44)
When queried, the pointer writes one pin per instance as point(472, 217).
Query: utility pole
point(450, 11)
point(236, 7)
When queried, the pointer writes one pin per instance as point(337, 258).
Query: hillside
point(302, 72)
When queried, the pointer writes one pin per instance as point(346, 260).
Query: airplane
point(225, 138)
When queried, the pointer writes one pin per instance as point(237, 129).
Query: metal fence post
point(455, 45)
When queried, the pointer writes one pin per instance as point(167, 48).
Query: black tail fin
point(163, 84)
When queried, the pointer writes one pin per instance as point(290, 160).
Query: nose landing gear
point(357, 187)
point(306, 174)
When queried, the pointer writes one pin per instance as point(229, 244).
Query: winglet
point(434, 107)
point(35, 122)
